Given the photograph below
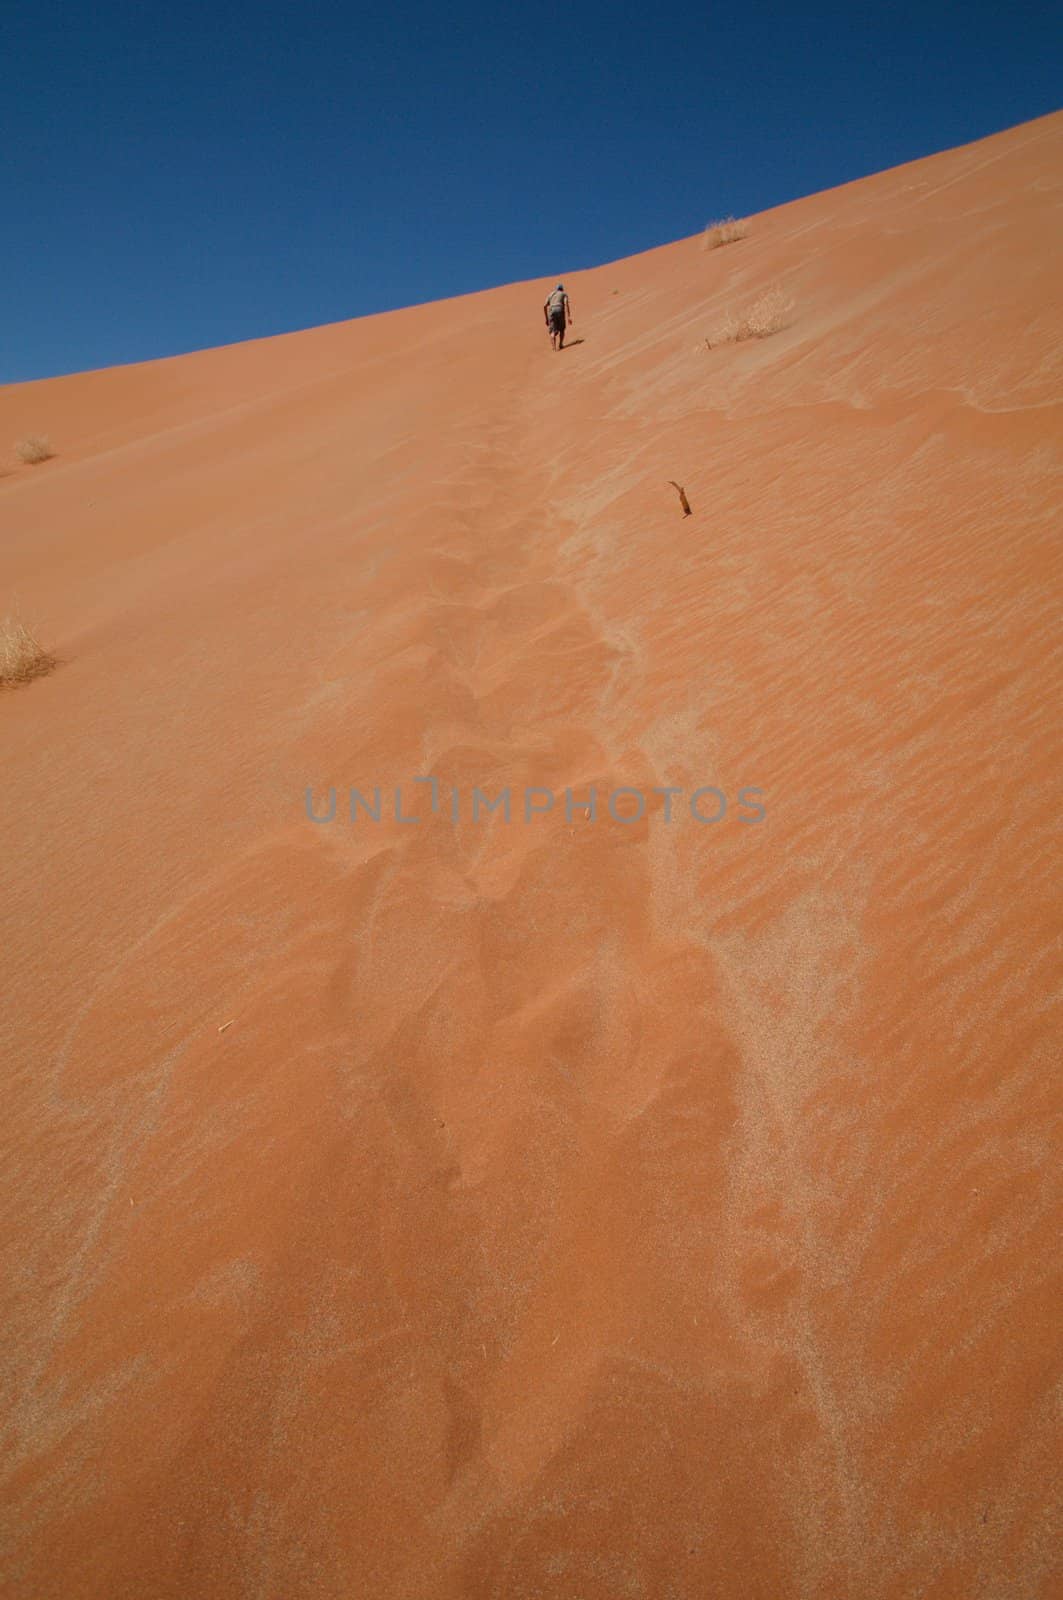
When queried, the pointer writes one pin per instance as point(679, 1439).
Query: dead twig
point(683, 501)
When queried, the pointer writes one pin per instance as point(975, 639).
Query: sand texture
point(573, 1208)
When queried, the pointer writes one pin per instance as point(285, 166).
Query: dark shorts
point(557, 321)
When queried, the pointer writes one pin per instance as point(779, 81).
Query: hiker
point(557, 311)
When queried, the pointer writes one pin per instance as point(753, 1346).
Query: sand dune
point(569, 1207)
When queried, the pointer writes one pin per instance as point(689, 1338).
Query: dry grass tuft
point(22, 658)
point(35, 448)
point(770, 314)
point(724, 232)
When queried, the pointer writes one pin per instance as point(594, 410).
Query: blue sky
point(193, 175)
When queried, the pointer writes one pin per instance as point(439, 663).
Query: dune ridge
point(573, 1206)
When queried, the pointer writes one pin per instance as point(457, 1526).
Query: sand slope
point(572, 1208)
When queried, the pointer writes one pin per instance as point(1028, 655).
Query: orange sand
point(571, 1209)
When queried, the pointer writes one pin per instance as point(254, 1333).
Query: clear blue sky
point(190, 175)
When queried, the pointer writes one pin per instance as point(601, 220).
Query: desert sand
point(570, 1207)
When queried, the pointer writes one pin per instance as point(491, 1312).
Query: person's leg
point(561, 331)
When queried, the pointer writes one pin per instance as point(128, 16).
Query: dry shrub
point(33, 449)
point(724, 232)
point(770, 314)
point(21, 656)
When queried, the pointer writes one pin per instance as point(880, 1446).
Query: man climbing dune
point(557, 311)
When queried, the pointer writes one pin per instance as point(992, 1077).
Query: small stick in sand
point(226, 1024)
point(683, 501)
